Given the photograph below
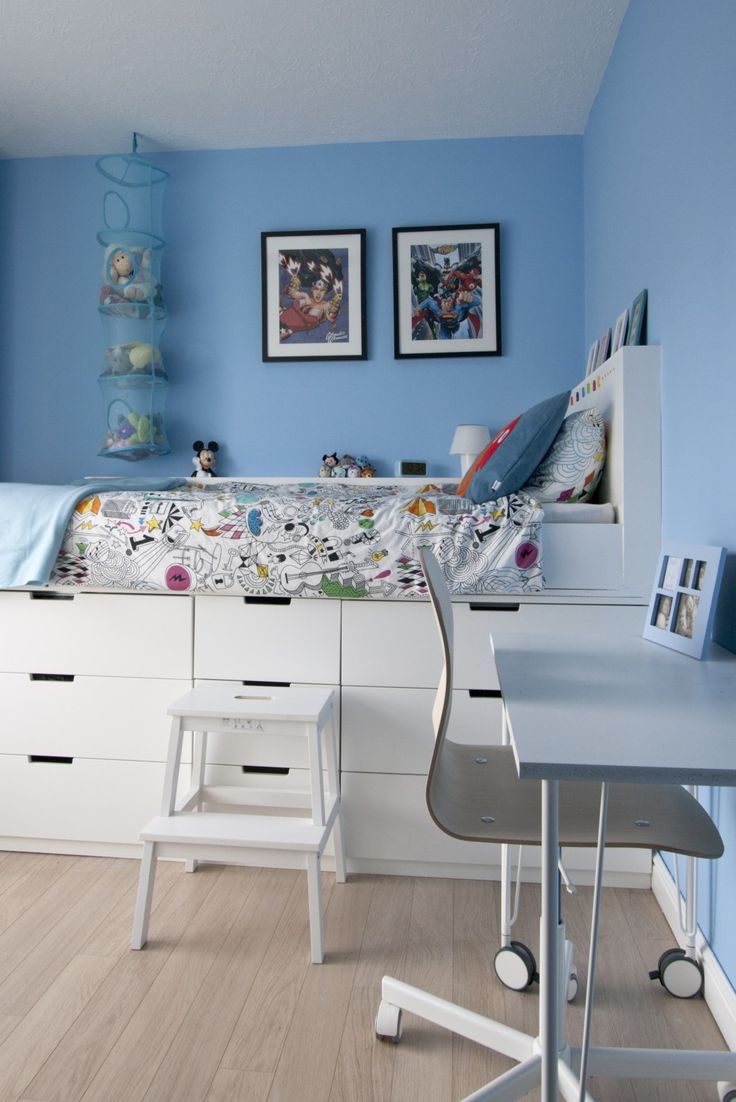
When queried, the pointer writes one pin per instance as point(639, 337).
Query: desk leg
point(549, 969)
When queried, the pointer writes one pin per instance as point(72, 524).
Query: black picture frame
point(637, 333)
point(313, 295)
point(462, 260)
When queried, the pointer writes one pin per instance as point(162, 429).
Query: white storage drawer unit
point(121, 635)
point(391, 666)
point(262, 639)
point(86, 680)
point(388, 643)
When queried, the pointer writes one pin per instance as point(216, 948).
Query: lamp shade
point(468, 442)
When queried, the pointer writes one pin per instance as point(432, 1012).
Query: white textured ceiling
point(78, 76)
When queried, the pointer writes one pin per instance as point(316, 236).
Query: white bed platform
point(583, 556)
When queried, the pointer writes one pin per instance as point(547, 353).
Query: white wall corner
point(720, 996)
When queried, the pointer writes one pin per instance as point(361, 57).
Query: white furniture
point(276, 819)
point(142, 650)
point(657, 716)
point(475, 793)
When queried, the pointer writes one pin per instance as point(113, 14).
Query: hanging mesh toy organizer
point(133, 380)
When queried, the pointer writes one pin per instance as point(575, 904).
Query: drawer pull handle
point(68, 677)
point(49, 759)
point(267, 600)
point(494, 607)
point(273, 770)
point(269, 684)
point(50, 596)
point(492, 694)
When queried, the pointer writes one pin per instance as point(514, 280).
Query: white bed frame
point(87, 676)
point(617, 558)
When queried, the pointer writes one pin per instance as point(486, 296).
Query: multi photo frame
point(683, 600)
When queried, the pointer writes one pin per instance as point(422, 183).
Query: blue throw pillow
point(516, 451)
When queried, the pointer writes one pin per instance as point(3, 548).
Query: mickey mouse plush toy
point(204, 458)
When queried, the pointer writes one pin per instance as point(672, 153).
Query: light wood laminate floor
point(224, 1006)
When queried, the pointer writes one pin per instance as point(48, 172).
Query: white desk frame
point(611, 709)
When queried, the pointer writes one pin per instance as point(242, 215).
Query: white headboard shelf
point(617, 558)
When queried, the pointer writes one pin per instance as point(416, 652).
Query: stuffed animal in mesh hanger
point(204, 458)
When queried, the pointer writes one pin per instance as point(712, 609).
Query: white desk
point(612, 709)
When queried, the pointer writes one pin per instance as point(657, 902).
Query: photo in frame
point(313, 295)
point(447, 296)
point(619, 332)
point(637, 333)
point(592, 358)
point(684, 596)
point(604, 348)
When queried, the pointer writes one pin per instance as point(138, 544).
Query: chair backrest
point(439, 595)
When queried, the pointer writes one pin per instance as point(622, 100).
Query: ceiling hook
point(135, 143)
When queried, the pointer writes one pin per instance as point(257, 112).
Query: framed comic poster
point(313, 295)
point(447, 299)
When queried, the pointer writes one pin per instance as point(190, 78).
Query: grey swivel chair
point(474, 794)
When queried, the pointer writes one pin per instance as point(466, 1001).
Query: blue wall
point(659, 193)
point(281, 418)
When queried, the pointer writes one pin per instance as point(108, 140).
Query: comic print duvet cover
point(313, 539)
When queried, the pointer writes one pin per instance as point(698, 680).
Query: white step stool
point(307, 818)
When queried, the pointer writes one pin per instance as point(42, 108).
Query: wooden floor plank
point(258, 1037)
point(424, 1071)
point(231, 1085)
point(309, 1055)
point(38, 1033)
point(223, 1004)
point(133, 1061)
point(72, 929)
point(82, 1051)
point(191, 1063)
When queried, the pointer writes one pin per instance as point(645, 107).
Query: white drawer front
point(89, 717)
point(386, 819)
point(387, 643)
point(87, 801)
point(299, 641)
point(389, 730)
point(130, 635)
point(263, 750)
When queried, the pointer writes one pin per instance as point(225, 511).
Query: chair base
point(625, 1063)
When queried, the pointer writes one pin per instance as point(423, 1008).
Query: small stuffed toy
point(204, 458)
point(328, 463)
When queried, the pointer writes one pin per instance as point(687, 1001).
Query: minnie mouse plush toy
point(204, 458)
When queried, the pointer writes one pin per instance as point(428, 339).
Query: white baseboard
point(720, 996)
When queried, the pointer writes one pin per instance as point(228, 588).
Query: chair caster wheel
point(680, 975)
point(727, 1092)
point(515, 966)
point(388, 1023)
point(572, 987)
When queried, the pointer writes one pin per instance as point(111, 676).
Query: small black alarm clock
point(403, 468)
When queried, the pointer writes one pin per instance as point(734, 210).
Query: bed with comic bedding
point(330, 538)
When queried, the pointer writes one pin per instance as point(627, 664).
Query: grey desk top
point(618, 709)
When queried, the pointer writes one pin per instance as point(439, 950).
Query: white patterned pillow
point(573, 465)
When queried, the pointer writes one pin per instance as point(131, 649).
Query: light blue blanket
point(33, 520)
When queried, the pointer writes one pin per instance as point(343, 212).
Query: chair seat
point(464, 792)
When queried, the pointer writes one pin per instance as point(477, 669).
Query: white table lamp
point(468, 442)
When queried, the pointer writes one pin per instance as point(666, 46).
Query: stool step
point(220, 829)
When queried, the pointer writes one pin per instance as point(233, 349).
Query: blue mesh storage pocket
point(133, 377)
point(134, 406)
